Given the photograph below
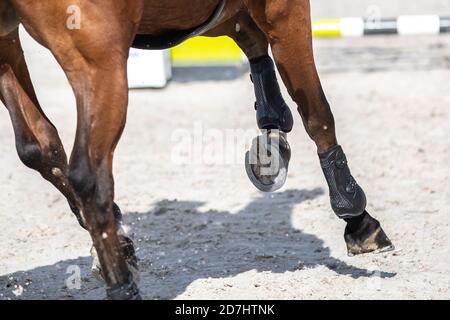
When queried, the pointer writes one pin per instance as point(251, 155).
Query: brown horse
point(91, 42)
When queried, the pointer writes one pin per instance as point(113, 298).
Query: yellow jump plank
point(207, 51)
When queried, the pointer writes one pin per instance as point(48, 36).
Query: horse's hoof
point(267, 161)
point(367, 237)
point(129, 254)
point(126, 291)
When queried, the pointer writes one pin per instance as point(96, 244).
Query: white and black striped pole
point(402, 25)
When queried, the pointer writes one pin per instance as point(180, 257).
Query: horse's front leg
point(268, 159)
point(37, 141)
point(287, 25)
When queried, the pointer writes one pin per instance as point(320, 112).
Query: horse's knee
point(103, 200)
point(94, 190)
point(82, 178)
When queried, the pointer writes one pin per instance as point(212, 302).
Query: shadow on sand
point(201, 74)
point(179, 244)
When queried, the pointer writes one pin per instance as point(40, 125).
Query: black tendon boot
point(272, 111)
point(346, 196)
point(363, 233)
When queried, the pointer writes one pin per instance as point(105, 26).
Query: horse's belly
point(162, 16)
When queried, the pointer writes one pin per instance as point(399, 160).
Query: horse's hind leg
point(287, 25)
point(37, 141)
point(266, 170)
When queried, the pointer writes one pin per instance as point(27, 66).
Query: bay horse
point(94, 58)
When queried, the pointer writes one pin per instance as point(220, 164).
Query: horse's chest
point(161, 16)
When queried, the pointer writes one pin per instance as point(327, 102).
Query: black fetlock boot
point(363, 233)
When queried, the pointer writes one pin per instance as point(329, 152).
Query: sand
point(204, 232)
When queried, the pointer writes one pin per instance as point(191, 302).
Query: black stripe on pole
point(381, 26)
point(445, 24)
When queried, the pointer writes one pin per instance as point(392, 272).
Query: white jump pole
point(401, 25)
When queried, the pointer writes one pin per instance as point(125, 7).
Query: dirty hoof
point(364, 235)
point(128, 252)
point(125, 291)
point(267, 161)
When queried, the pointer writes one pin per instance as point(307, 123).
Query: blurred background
point(338, 46)
point(349, 8)
point(202, 229)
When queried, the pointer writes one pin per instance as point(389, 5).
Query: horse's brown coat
point(94, 59)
